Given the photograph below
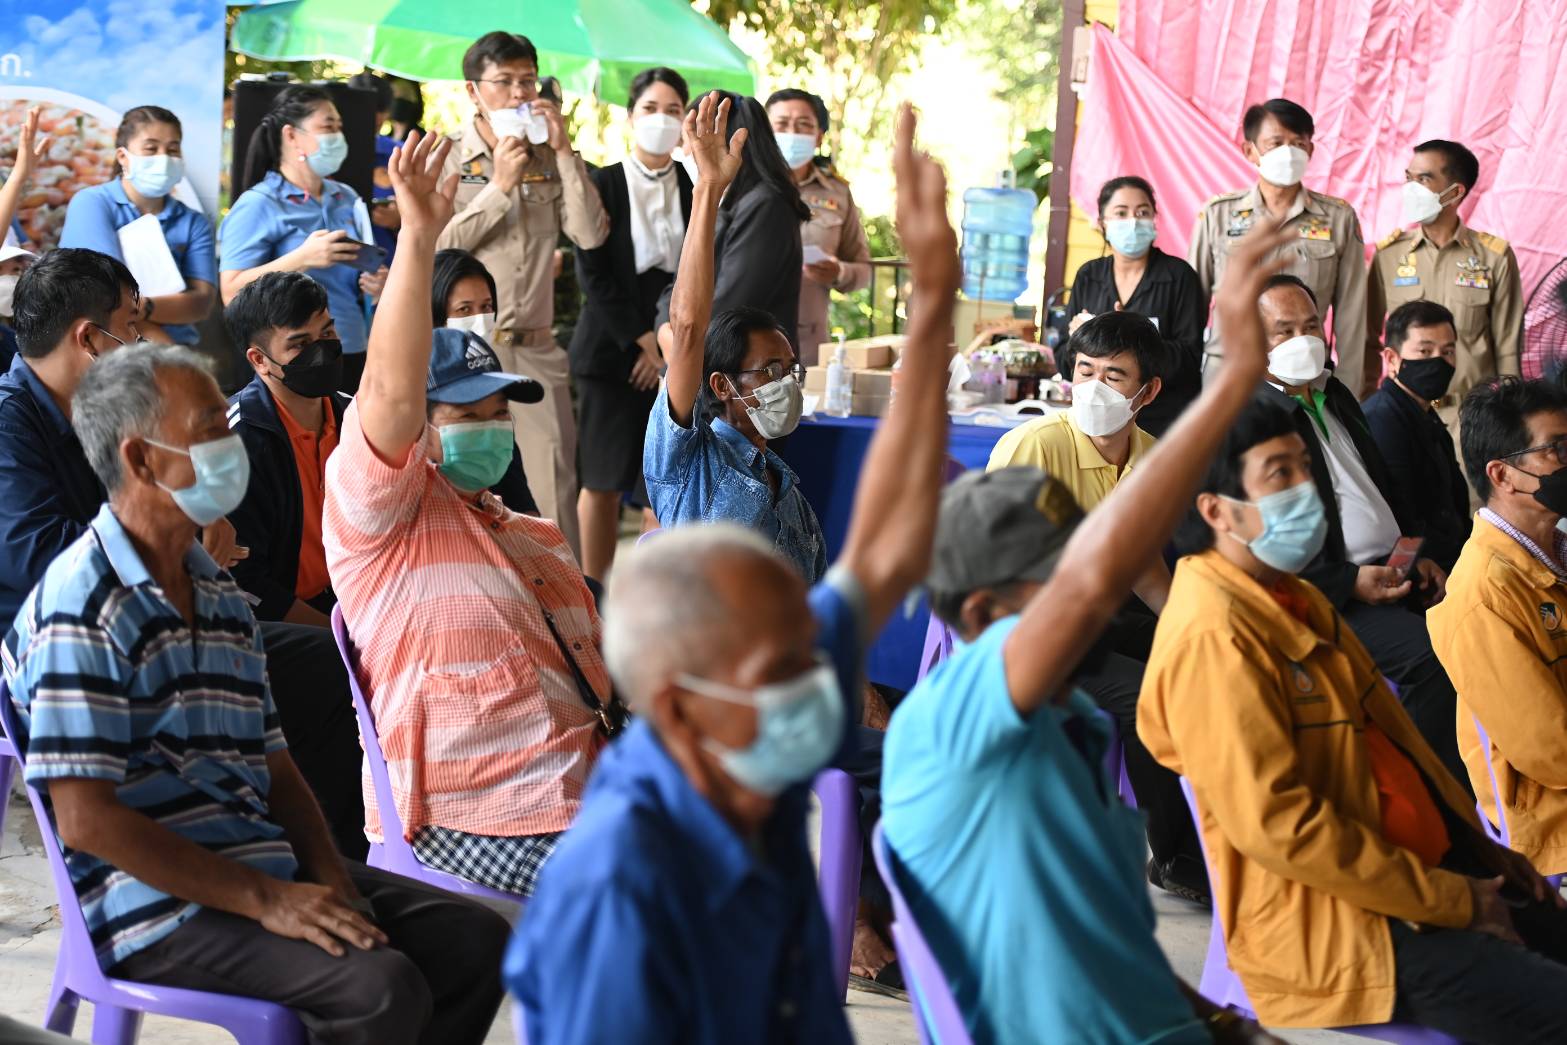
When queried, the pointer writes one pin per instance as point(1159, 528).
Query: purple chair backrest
point(935, 1010)
point(939, 640)
point(391, 823)
point(1497, 831)
point(648, 536)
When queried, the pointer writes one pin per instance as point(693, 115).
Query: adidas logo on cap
point(477, 357)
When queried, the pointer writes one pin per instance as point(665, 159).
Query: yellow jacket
point(1501, 633)
point(1265, 716)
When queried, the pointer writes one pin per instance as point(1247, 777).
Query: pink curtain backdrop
point(1165, 99)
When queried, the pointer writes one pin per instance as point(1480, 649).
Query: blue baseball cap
point(463, 369)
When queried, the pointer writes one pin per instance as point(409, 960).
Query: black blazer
point(1331, 571)
point(1423, 468)
point(1169, 292)
point(604, 343)
point(757, 257)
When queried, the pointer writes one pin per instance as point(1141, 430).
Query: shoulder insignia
point(1391, 238)
point(1333, 201)
point(1237, 194)
point(1493, 243)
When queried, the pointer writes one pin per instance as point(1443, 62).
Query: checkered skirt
point(511, 865)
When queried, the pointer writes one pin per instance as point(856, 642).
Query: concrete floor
point(30, 938)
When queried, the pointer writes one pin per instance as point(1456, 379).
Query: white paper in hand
point(812, 254)
point(147, 255)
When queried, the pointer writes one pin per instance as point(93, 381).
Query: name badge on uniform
point(1406, 276)
point(824, 202)
point(1316, 229)
point(473, 174)
point(1240, 223)
point(1472, 272)
point(534, 177)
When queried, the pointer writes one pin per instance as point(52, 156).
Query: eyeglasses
point(1559, 447)
point(123, 343)
point(506, 84)
point(776, 371)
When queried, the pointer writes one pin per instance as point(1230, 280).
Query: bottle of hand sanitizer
point(840, 384)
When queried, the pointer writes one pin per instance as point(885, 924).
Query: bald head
point(1288, 311)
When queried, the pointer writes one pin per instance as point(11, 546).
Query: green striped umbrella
point(593, 46)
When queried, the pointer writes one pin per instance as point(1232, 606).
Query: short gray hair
point(118, 398)
point(660, 612)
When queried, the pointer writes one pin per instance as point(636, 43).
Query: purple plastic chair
point(939, 640)
point(643, 538)
point(838, 876)
point(1499, 831)
point(935, 1010)
point(8, 759)
point(393, 853)
point(118, 1005)
point(1221, 986)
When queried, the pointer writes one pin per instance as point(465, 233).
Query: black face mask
point(1426, 378)
point(1552, 492)
point(316, 371)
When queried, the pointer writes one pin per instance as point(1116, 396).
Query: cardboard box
point(870, 353)
point(873, 383)
point(870, 405)
point(816, 379)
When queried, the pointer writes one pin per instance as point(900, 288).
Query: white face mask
point(1420, 204)
point(1299, 360)
point(482, 324)
point(779, 405)
point(1099, 410)
point(7, 294)
point(1283, 166)
point(656, 133)
point(796, 148)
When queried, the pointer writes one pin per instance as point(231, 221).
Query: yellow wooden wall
point(1083, 242)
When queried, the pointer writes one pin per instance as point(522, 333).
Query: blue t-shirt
point(95, 216)
point(1021, 867)
point(710, 472)
point(274, 217)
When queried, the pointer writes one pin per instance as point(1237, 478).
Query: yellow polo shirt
point(1055, 444)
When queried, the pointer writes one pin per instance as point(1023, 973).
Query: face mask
point(798, 726)
point(222, 473)
point(520, 123)
point(1427, 378)
point(1098, 409)
point(475, 454)
point(1131, 236)
point(1284, 166)
point(688, 163)
point(7, 294)
point(1299, 360)
point(778, 406)
point(155, 176)
point(482, 324)
point(1420, 204)
point(317, 371)
point(656, 133)
point(1294, 525)
point(331, 151)
point(796, 148)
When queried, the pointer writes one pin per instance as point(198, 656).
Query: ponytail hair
point(137, 118)
point(291, 109)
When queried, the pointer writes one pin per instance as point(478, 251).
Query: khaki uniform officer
point(513, 201)
point(1327, 255)
point(834, 228)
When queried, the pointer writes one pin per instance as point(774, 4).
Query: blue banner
point(87, 62)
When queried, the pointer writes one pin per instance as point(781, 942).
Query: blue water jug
point(997, 225)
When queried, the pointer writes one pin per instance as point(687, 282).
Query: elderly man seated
point(682, 906)
point(476, 633)
point(1500, 632)
point(1351, 877)
point(199, 857)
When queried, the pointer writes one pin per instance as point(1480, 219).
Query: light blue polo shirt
point(1021, 866)
point(96, 215)
point(275, 216)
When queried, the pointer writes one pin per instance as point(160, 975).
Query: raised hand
point(923, 227)
point(424, 199)
point(1252, 261)
point(29, 147)
point(707, 141)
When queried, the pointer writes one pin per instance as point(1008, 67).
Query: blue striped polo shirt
point(110, 683)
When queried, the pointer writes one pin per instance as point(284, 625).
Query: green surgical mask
point(475, 454)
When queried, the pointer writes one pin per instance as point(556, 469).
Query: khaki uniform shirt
point(515, 235)
point(1329, 256)
point(1475, 277)
point(835, 228)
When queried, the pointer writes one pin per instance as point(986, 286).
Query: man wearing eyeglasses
point(519, 186)
point(1502, 630)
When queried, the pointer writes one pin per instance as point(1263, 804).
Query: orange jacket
point(1501, 633)
point(1265, 716)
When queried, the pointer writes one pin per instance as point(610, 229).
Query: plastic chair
point(838, 876)
point(1221, 986)
point(936, 1012)
point(393, 853)
point(118, 1005)
point(1499, 831)
point(939, 640)
point(643, 538)
point(8, 761)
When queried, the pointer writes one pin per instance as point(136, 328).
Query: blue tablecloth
point(827, 452)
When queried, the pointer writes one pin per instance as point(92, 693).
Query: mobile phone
point(1405, 551)
point(549, 89)
point(369, 258)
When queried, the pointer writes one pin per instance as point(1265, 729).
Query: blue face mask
point(222, 473)
point(1294, 525)
point(155, 176)
point(331, 151)
point(798, 726)
point(1131, 236)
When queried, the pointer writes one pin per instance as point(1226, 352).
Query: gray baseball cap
point(997, 527)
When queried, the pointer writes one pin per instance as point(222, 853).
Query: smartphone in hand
point(1406, 550)
point(369, 259)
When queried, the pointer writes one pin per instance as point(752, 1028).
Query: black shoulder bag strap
point(612, 716)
